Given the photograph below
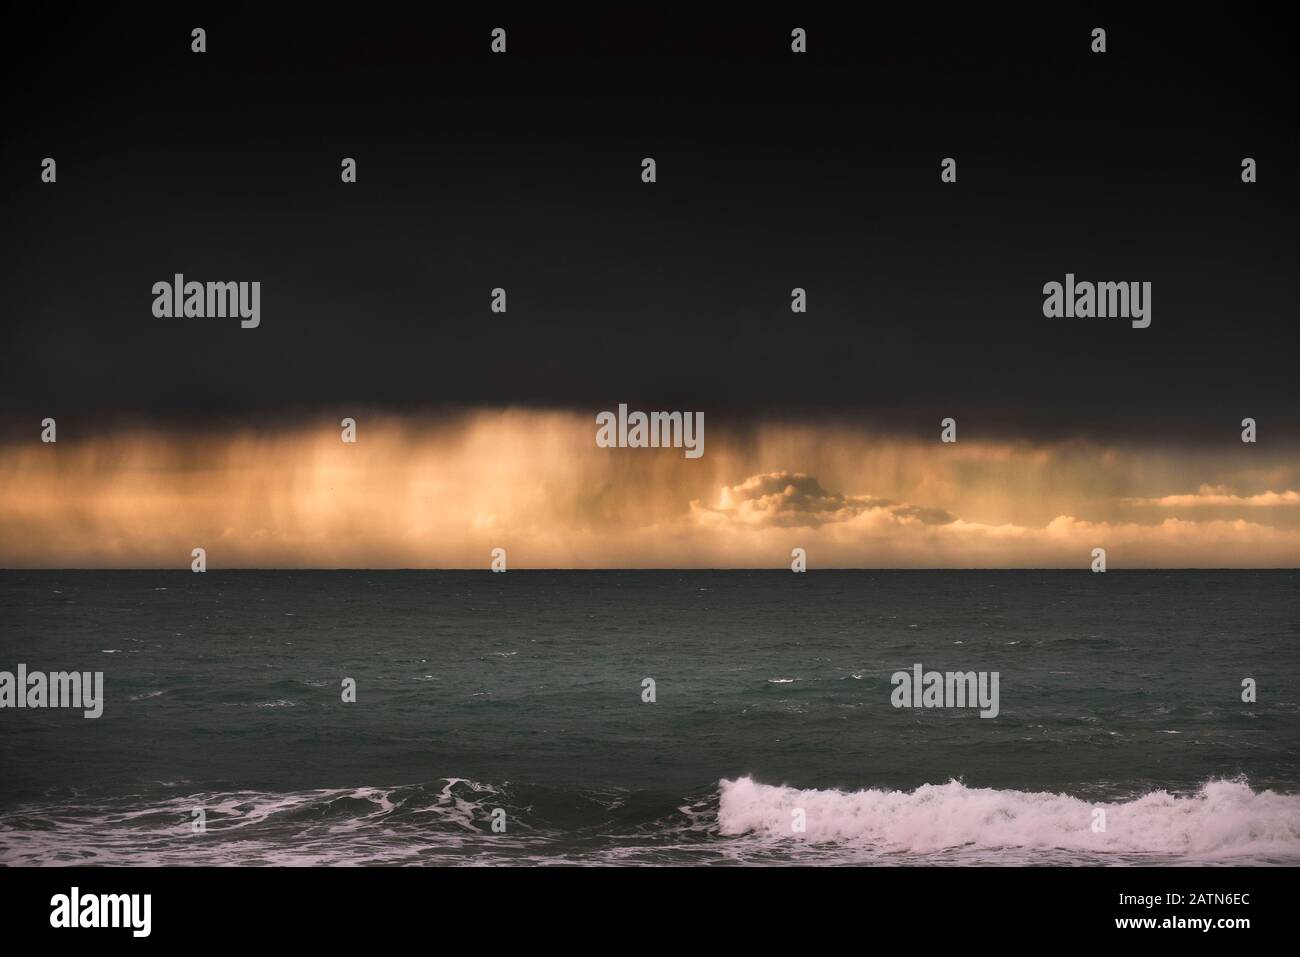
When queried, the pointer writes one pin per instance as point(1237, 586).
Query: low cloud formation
point(1221, 496)
point(776, 511)
point(795, 500)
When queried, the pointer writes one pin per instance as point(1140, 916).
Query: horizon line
point(720, 568)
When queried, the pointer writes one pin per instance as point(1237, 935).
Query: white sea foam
point(447, 822)
point(1222, 819)
point(335, 826)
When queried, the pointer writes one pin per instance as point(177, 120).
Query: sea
point(653, 718)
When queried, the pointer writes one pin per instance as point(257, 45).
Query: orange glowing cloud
point(443, 492)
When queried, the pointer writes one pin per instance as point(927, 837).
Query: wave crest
point(1222, 818)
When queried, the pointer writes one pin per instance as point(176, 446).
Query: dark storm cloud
point(774, 171)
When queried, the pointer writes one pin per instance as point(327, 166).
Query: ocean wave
point(449, 822)
point(443, 823)
point(1222, 819)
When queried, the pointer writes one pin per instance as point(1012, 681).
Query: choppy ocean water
point(523, 692)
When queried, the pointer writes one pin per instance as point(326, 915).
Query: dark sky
point(775, 170)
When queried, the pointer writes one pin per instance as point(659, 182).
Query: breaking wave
point(449, 822)
point(1222, 819)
